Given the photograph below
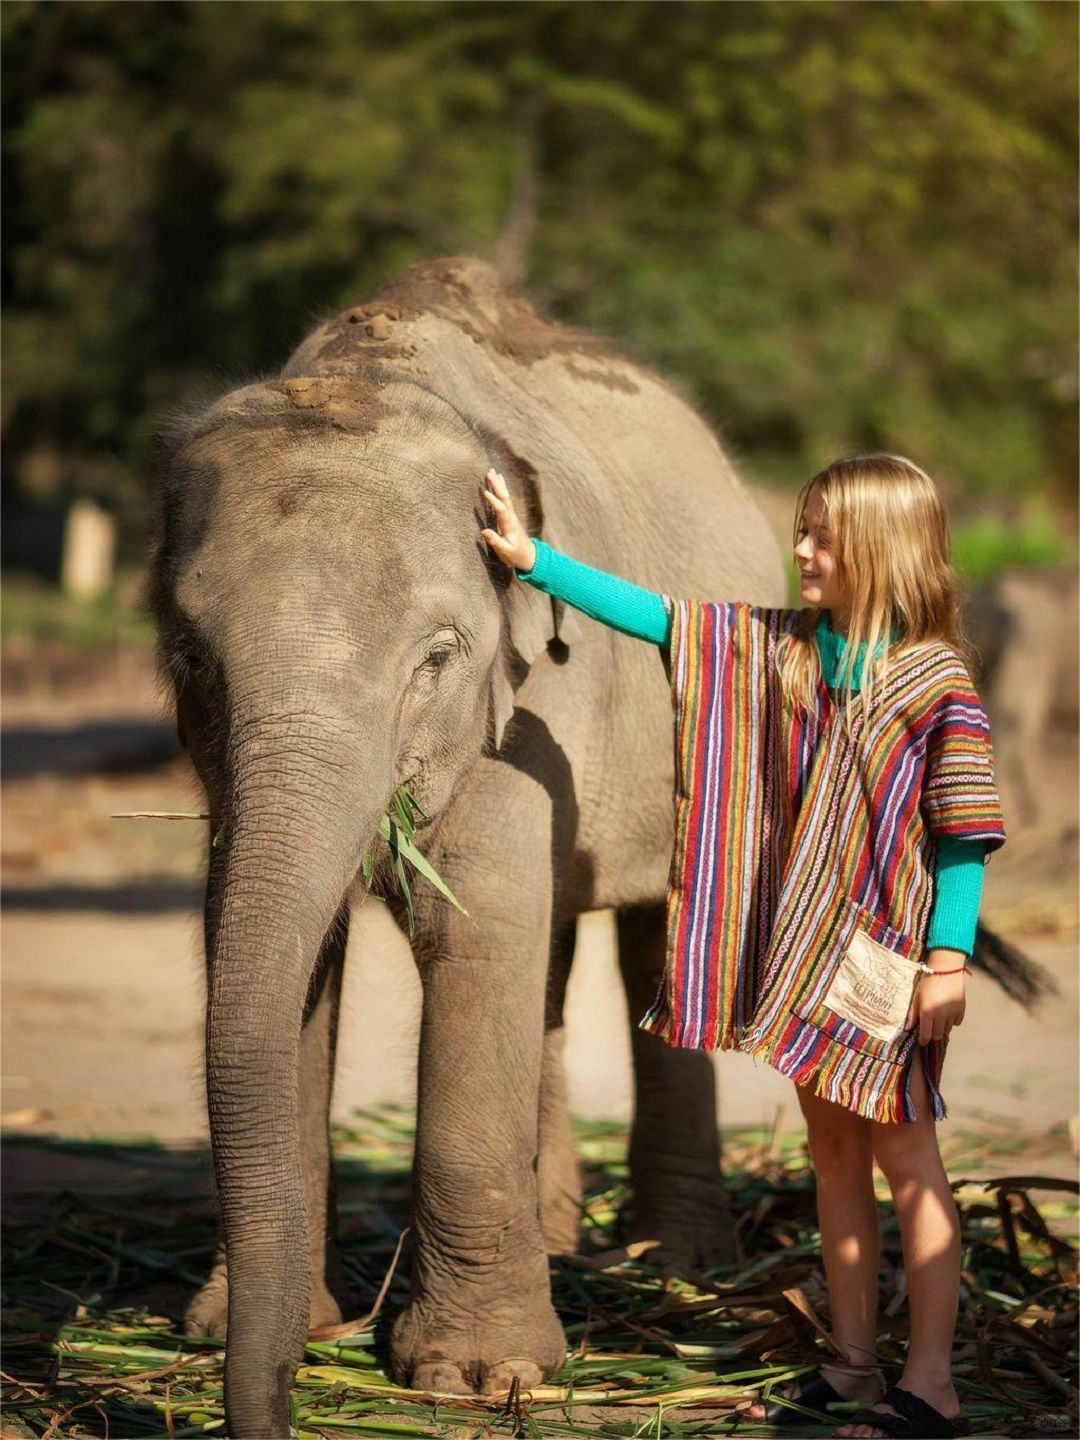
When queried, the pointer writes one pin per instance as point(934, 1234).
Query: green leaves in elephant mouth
point(398, 828)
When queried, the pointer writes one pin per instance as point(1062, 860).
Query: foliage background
point(834, 225)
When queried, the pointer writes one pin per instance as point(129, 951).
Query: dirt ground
point(102, 969)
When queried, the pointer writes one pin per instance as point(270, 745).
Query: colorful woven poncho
point(802, 870)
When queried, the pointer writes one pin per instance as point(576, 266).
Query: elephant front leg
point(480, 1312)
point(674, 1158)
point(207, 1313)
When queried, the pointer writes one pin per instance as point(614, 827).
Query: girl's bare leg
point(930, 1235)
point(842, 1155)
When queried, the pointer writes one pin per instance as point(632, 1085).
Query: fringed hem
point(657, 1021)
point(874, 1088)
point(871, 1087)
point(932, 1057)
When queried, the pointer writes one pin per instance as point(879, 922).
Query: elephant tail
point(1023, 979)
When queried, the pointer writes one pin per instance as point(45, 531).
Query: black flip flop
point(813, 1394)
point(914, 1418)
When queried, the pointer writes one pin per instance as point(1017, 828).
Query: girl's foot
point(841, 1382)
point(913, 1409)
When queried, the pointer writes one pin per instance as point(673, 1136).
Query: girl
point(835, 805)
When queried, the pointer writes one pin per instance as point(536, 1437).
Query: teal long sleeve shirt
point(636, 611)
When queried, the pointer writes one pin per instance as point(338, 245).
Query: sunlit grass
point(95, 1285)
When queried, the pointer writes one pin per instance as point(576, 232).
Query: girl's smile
point(816, 558)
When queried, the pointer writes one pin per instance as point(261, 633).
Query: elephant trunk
point(295, 838)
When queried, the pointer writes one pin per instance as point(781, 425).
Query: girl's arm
point(959, 866)
point(958, 883)
point(608, 598)
point(939, 1001)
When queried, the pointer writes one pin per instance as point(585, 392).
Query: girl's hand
point(939, 1000)
point(510, 543)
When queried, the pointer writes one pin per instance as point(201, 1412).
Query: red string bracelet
point(960, 970)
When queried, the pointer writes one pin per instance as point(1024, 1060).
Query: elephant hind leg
point(674, 1158)
point(558, 1177)
point(208, 1310)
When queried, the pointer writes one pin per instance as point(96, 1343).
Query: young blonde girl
point(885, 774)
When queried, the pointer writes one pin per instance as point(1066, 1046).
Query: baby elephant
point(335, 627)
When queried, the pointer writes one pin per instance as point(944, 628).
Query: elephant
point(1024, 622)
point(332, 625)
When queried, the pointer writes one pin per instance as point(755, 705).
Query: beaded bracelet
point(929, 970)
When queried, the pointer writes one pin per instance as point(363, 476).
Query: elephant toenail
point(498, 1378)
point(440, 1377)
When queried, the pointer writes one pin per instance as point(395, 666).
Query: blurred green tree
point(832, 225)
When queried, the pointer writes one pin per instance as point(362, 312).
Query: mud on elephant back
point(333, 626)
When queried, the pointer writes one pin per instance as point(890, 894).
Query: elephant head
point(333, 626)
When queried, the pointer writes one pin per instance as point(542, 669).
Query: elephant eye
point(188, 661)
point(444, 647)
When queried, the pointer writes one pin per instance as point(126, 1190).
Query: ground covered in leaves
point(95, 1283)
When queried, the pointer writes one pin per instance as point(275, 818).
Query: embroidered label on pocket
point(872, 988)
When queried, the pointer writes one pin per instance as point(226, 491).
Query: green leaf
point(403, 848)
point(424, 865)
point(401, 805)
point(395, 839)
point(414, 803)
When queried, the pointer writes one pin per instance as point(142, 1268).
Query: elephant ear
point(533, 620)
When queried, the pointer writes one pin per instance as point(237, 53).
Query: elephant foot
point(472, 1358)
point(561, 1230)
point(682, 1252)
point(692, 1224)
point(439, 1377)
point(442, 1377)
point(325, 1307)
point(208, 1312)
point(499, 1378)
point(560, 1212)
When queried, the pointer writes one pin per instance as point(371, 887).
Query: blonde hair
point(890, 537)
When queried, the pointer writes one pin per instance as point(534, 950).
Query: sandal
point(814, 1394)
point(914, 1418)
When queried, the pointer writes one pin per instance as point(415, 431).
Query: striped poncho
point(804, 853)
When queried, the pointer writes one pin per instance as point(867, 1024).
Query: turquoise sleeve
point(959, 866)
point(608, 598)
point(958, 882)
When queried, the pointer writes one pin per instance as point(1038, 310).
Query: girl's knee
point(889, 1151)
point(839, 1149)
point(905, 1151)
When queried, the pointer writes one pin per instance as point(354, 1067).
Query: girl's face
point(815, 556)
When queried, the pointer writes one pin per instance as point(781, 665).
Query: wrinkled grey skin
point(1023, 623)
point(335, 625)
